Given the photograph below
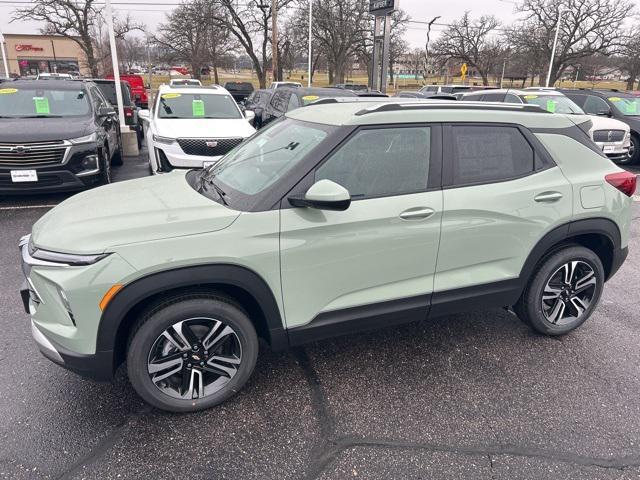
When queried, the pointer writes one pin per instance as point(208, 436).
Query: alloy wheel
point(194, 358)
point(632, 148)
point(569, 292)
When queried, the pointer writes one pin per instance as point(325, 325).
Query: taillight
point(128, 112)
point(623, 181)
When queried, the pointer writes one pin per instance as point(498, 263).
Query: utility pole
point(274, 39)
point(149, 62)
point(114, 62)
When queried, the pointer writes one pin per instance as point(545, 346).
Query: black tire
point(116, 159)
point(634, 157)
point(158, 319)
point(105, 173)
point(531, 308)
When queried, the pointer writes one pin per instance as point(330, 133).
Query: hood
point(26, 130)
point(606, 123)
point(127, 212)
point(207, 128)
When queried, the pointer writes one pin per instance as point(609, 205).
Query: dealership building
point(33, 54)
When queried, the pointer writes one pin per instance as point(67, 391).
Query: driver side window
point(594, 105)
point(381, 162)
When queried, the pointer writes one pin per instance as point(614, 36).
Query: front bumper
point(176, 158)
point(61, 177)
point(617, 152)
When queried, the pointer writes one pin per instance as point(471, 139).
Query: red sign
point(28, 48)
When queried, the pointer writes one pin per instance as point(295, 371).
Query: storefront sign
point(382, 7)
point(28, 48)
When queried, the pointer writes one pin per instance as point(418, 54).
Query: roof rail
point(457, 105)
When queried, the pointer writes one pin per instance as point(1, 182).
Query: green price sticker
point(42, 105)
point(198, 108)
point(551, 106)
point(632, 107)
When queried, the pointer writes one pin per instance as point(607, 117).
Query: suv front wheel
point(191, 352)
point(563, 292)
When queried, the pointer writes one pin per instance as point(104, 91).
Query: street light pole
point(274, 39)
point(310, 36)
point(114, 62)
point(555, 43)
point(4, 56)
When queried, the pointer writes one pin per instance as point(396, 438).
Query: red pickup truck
point(138, 90)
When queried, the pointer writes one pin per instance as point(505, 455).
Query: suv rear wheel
point(563, 292)
point(192, 352)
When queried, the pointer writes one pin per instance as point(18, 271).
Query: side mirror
point(106, 111)
point(249, 115)
point(323, 195)
point(604, 113)
point(144, 114)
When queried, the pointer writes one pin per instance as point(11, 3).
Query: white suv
point(193, 127)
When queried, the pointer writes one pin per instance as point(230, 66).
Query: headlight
point(86, 139)
point(165, 140)
point(66, 259)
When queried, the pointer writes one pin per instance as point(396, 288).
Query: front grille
point(32, 154)
point(198, 146)
point(608, 136)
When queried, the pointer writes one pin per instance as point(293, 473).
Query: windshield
point(24, 101)
point(197, 105)
point(553, 103)
point(267, 156)
point(626, 105)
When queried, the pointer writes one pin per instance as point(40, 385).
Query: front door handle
point(417, 213)
point(548, 197)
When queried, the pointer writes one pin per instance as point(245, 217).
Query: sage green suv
point(335, 219)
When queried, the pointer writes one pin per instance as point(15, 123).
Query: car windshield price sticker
point(551, 106)
point(171, 95)
point(7, 91)
point(42, 105)
point(632, 107)
point(198, 108)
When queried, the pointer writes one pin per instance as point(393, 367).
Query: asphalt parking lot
point(466, 396)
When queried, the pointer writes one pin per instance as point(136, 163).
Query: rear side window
point(485, 154)
point(511, 98)
point(595, 105)
point(493, 97)
point(381, 162)
point(472, 97)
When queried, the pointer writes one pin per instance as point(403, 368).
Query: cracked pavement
point(474, 395)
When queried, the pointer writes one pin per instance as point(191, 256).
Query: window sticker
point(170, 95)
point(632, 107)
point(42, 105)
point(614, 99)
point(7, 91)
point(551, 106)
point(530, 97)
point(310, 98)
point(198, 108)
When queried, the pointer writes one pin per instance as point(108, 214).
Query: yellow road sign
point(463, 69)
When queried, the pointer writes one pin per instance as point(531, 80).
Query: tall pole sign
point(382, 10)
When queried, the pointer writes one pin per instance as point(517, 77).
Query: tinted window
point(381, 162)
point(493, 97)
point(595, 105)
point(109, 92)
point(578, 99)
point(474, 97)
point(511, 98)
point(489, 154)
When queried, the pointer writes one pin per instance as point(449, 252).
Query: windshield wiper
point(203, 181)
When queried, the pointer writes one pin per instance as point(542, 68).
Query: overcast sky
point(417, 9)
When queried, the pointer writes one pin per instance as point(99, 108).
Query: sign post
point(463, 72)
point(382, 10)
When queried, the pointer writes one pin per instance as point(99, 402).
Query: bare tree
point(474, 42)
point(75, 20)
point(588, 27)
point(131, 51)
point(342, 28)
point(628, 58)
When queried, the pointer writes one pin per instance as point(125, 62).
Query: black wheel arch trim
point(156, 283)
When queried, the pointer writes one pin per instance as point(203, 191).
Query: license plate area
point(20, 176)
point(609, 148)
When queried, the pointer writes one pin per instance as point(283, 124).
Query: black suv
point(288, 98)
point(108, 89)
point(257, 102)
point(615, 104)
point(56, 135)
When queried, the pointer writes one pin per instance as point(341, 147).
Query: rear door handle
point(417, 213)
point(548, 197)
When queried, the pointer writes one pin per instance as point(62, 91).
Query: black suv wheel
point(563, 292)
point(191, 352)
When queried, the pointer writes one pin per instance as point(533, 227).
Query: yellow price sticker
point(171, 95)
point(310, 98)
point(7, 91)
point(530, 97)
point(614, 99)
